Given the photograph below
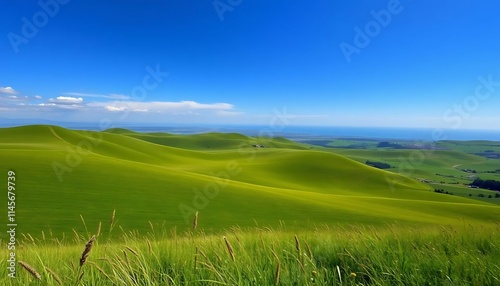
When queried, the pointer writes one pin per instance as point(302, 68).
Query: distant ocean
point(333, 132)
point(300, 132)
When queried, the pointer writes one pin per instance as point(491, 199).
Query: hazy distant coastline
point(293, 132)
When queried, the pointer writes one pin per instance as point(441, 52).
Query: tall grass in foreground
point(356, 255)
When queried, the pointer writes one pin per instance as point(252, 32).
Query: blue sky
point(330, 63)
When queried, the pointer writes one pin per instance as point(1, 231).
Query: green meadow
point(355, 224)
point(342, 255)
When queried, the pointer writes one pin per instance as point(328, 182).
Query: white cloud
point(7, 90)
point(14, 98)
point(114, 109)
point(86, 109)
point(161, 106)
point(97, 95)
point(61, 106)
point(118, 96)
point(66, 100)
point(69, 106)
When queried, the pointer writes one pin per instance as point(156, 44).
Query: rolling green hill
point(164, 179)
point(208, 141)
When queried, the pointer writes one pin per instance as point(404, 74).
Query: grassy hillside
point(210, 141)
point(63, 175)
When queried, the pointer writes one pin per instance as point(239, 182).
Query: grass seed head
point(113, 218)
point(131, 250)
point(54, 275)
point(297, 244)
point(86, 251)
point(277, 275)
point(195, 222)
point(150, 248)
point(229, 248)
point(99, 229)
point(30, 269)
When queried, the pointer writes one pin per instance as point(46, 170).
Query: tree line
point(487, 184)
point(379, 165)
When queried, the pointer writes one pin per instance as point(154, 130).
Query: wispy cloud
point(14, 98)
point(96, 106)
point(161, 106)
point(98, 95)
point(60, 106)
point(7, 90)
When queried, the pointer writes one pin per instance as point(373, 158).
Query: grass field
point(477, 146)
point(348, 255)
point(69, 182)
point(65, 174)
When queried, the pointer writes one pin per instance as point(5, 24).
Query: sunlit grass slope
point(62, 174)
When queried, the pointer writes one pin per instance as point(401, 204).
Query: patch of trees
point(441, 191)
point(379, 165)
point(447, 176)
point(497, 195)
point(497, 171)
point(491, 155)
point(486, 184)
point(258, 146)
point(385, 144)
